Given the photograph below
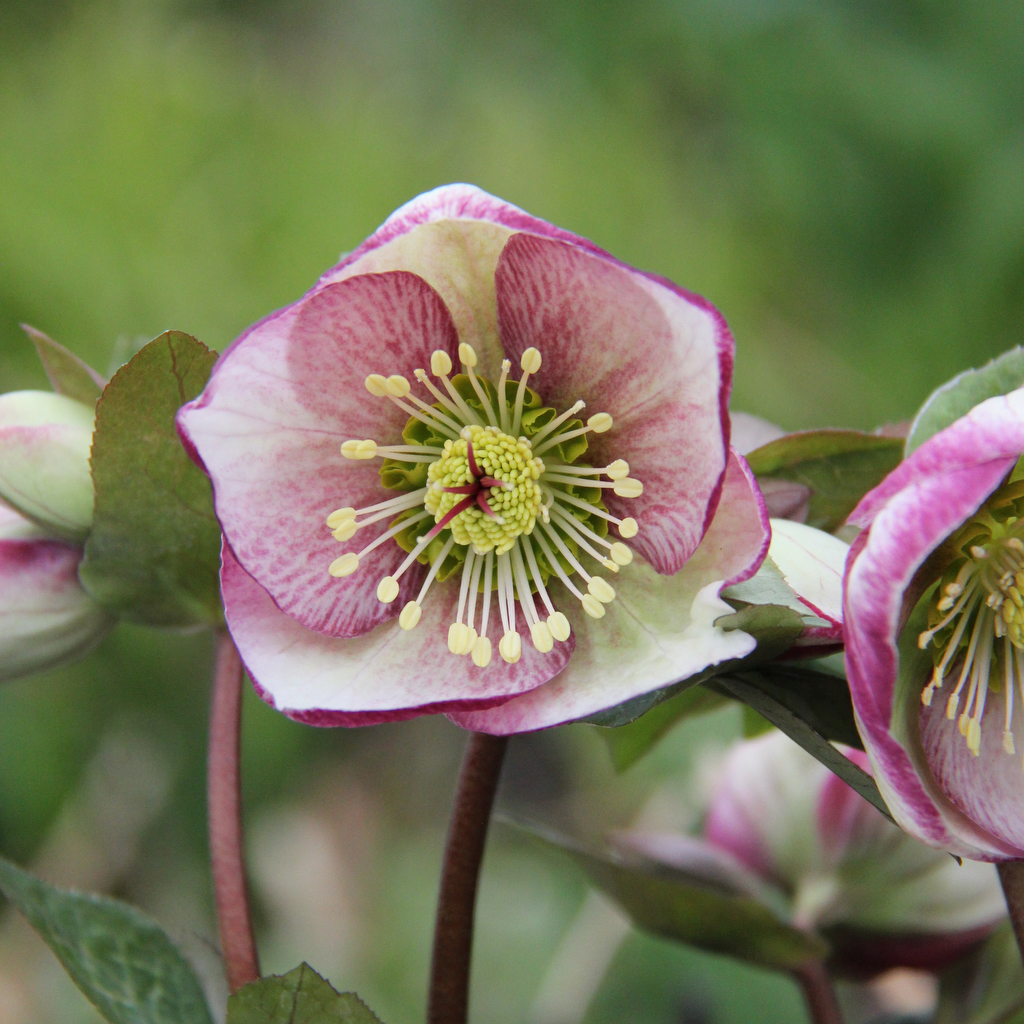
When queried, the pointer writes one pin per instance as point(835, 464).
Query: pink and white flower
point(492, 480)
point(935, 698)
point(779, 818)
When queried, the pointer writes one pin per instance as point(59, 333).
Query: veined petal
point(46, 618)
point(919, 504)
point(452, 237)
point(268, 429)
point(659, 630)
point(385, 675)
point(657, 360)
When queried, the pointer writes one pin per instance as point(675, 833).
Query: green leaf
point(121, 959)
point(838, 467)
point(986, 987)
point(774, 627)
point(812, 709)
point(154, 552)
point(684, 906)
point(65, 371)
point(298, 997)
point(628, 743)
point(959, 396)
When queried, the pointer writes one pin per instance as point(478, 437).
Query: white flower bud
point(44, 460)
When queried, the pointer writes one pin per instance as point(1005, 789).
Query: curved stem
point(1011, 875)
point(448, 1001)
point(224, 815)
point(819, 993)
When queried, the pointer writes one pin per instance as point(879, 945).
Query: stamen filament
point(435, 568)
point(439, 396)
point(506, 365)
point(557, 566)
point(530, 363)
point(404, 524)
point(531, 560)
point(557, 422)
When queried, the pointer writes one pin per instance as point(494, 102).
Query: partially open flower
point(476, 526)
point(882, 898)
point(935, 648)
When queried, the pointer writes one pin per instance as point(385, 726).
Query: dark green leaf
point(683, 906)
point(121, 960)
point(65, 371)
point(773, 626)
point(986, 987)
point(154, 552)
point(628, 743)
point(959, 396)
point(811, 708)
point(838, 467)
point(298, 997)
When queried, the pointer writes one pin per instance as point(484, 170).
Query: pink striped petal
point(910, 513)
point(269, 425)
point(384, 675)
point(655, 359)
point(658, 631)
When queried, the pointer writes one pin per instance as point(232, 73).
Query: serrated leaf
point(959, 396)
point(68, 374)
point(812, 709)
point(154, 552)
point(628, 743)
point(773, 626)
point(986, 987)
point(838, 467)
point(119, 958)
point(299, 997)
point(698, 911)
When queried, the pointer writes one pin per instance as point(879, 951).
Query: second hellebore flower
point(938, 698)
point(479, 544)
point(46, 496)
point(882, 898)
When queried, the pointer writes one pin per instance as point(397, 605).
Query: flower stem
point(224, 813)
point(1011, 875)
point(819, 993)
point(448, 1000)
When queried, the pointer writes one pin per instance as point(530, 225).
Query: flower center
point(976, 617)
point(512, 520)
point(485, 487)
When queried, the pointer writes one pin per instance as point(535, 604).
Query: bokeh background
point(842, 178)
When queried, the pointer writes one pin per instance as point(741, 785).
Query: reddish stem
point(448, 1001)
point(224, 812)
point(819, 993)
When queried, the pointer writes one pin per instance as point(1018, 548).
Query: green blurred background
point(842, 179)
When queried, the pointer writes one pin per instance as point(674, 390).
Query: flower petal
point(657, 360)
point(913, 510)
point(659, 630)
point(268, 426)
point(812, 563)
point(46, 618)
point(385, 675)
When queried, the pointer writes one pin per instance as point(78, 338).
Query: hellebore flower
point(46, 617)
point(494, 484)
point(883, 899)
point(943, 546)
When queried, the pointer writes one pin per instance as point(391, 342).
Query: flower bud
point(44, 460)
point(46, 617)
